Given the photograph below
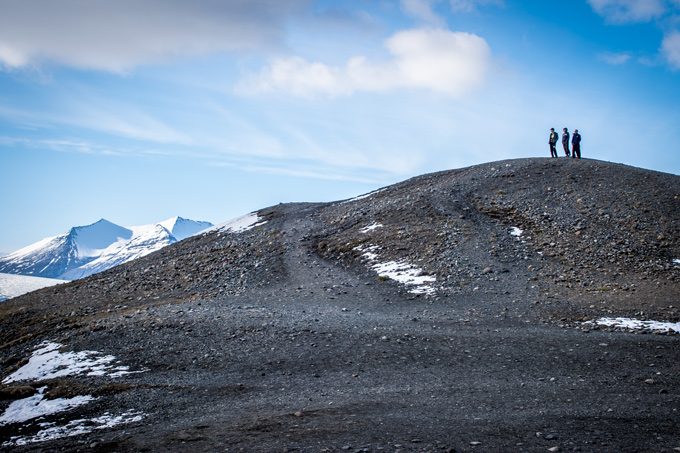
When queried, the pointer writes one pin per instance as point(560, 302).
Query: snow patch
point(368, 251)
point(76, 427)
point(636, 324)
point(676, 261)
point(371, 227)
point(407, 274)
point(240, 224)
point(400, 271)
point(361, 197)
point(515, 231)
point(37, 406)
point(13, 285)
point(48, 363)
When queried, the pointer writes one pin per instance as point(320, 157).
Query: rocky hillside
point(590, 233)
point(453, 310)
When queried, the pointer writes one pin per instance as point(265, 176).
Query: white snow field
point(239, 224)
point(516, 231)
point(12, 285)
point(400, 271)
point(47, 362)
point(636, 324)
point(361, 197)
point(37, 406)
point(75, 428)
point(371, 227)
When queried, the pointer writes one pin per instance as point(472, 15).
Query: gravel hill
point(449, 311)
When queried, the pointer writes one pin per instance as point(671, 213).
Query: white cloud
point(119, 35)
point(621, 11)
point(451, 63)
point(468, 6)
point(615, 58)
point(422, 10)
point(671, 49)
point(664, 13)
point(297, 76)
point(11, 56)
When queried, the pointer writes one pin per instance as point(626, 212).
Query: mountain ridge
point(91, 248)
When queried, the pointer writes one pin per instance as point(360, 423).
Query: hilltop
point(449, 309)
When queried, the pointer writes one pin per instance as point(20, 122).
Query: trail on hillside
point(284, 337)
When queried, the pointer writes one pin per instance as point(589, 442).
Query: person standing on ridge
point(576, 144)
point(552, 141)
point(565, 141)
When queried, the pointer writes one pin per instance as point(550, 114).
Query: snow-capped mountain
point(89, 249)
point(53, 256)
point(182, 228)
point(145, 239)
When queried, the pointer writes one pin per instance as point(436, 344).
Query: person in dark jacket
point(576, 144)
point(552, 141)
point(565, 141)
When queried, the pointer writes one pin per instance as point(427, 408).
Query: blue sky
point(137, 111)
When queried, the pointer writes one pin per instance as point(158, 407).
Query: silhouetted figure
point(552, 141)
point(565, 141)
point(576, 144)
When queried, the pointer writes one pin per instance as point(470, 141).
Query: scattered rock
point(15, 392)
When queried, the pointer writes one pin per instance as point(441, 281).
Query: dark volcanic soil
point(283, 338)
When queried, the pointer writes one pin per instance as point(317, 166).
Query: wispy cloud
point(468, 6)
point(125, 122)
point(615, 58)
point(671, 49)
point(340, 168)
point(446, 62)
point(623, 11)
point(80, 146)
point(114, 120)
point(309, 171)
point(119, 35)
point(293, 144)
point(422, 11)
point(664, 13)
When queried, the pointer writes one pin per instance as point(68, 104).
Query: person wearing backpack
point(565, 141)
point(552, 141)
point(576, 144)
